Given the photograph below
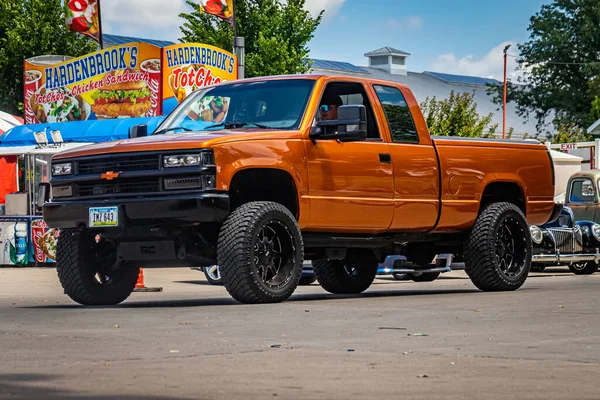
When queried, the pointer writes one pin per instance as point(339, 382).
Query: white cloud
point(151, 19)
point(412, 22)
point(159, 19)
point(331, 7)
point(490, 65)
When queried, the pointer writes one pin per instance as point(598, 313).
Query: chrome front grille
point(99, 165)
point(568, 241)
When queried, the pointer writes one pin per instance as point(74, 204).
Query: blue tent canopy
point(92, 131)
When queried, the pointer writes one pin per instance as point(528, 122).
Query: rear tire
point(88, 271)
point(260, 253)
point(584, 268)
point(498, 249)
point(350, 276)
point(425, 277)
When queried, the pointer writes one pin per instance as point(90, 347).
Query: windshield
point(274, 104)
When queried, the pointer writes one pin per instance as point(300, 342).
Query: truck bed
point(469, 165)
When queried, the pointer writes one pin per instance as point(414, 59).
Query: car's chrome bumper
point(566, 258)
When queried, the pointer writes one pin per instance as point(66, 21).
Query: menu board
point(116, 82)
point(188, 67)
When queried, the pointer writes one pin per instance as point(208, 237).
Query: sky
point(453, 36)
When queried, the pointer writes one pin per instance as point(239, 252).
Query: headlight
point(536, 234)
point(596, 231)
point(186, 160)
point(62, 169)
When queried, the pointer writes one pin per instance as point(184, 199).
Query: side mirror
point(42, 195)
point(351, 125)
point(138, 131)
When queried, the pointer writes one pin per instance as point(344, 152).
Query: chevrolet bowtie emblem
point(109, 176)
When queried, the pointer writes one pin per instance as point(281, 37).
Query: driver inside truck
point(328, 111)
point(329, 107)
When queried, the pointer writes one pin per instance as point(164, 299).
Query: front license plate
point(102, 217)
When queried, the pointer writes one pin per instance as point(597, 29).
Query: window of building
point(398, 60)
point(379, 60)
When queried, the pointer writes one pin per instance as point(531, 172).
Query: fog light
point(209, 181)
point(62, 191)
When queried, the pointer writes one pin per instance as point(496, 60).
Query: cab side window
point(582, 191)
point(338, 94)
point(400, 121)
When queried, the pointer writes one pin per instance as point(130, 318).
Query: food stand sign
point(190, 66)
point(116, 82)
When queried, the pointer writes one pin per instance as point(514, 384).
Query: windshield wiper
point(234, 125)
point(171, 129)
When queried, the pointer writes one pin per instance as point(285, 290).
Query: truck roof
point(594, 174)
point(316, 77)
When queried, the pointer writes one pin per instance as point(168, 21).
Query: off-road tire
point(481, 264)
point(75, 266)
point(236, 248)
point(425, 277)
point(584, 269)
point(334, 278)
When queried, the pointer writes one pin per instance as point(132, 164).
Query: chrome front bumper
point(566, 258)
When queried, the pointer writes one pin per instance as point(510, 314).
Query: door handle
point(385, 158)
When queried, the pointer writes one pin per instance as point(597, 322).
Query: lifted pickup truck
point(255, 175)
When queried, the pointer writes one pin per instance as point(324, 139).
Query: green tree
point(276, 34)
point(561, 65)
point(31, 28)
point(457, 116)
point(570, 133)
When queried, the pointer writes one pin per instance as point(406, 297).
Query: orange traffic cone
point(141, 287)
point(140, 282)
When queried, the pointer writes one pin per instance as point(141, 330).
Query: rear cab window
point(582, 191)
point(399, 119)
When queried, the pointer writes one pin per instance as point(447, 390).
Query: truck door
point(583, 199)
point(416, 171)
point(350, 185)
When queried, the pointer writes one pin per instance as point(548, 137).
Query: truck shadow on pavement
point(298, 297)
point(37, 386)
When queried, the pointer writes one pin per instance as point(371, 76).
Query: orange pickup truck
point(256, 175)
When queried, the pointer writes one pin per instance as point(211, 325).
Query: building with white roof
point(390, 64)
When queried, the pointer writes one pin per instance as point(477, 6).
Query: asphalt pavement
point(438, 340)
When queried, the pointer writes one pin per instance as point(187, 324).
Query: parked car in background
point(566, 241)
point(213, 275)
point(583, 196)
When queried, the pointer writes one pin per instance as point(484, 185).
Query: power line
point(563, 63)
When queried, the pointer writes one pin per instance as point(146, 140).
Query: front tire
point(498, 249)
point(353, 275)
point(89, 272)
point(584, 268)
point(260, 253)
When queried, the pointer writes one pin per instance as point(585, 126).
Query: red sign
point(568, 146)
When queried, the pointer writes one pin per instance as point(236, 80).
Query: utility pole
point(504, 108)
